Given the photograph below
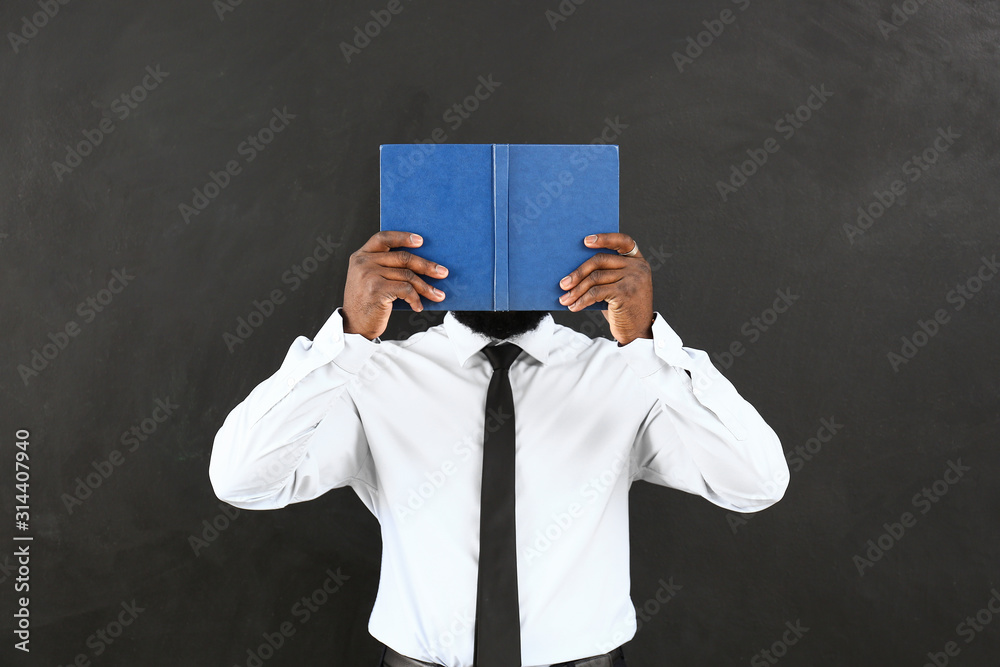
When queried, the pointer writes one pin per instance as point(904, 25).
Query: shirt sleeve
point(700, 435)
point(298, 434)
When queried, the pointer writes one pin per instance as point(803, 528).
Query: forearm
point(268, 438)
point(728, 453)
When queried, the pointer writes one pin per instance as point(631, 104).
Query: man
point(520, 560)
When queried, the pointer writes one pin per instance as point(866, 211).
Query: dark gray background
point(721, 263)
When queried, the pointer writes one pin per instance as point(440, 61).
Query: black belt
point(393, 659)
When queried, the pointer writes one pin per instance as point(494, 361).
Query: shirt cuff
point(356, 348)
point(648, 355)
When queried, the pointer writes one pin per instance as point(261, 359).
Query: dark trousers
point(618, 662)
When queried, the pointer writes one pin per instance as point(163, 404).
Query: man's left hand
point(626, 283)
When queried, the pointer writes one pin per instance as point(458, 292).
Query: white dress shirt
point(402, 423)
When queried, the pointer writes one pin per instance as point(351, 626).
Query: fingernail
point(564, 281)
point(563, 298)
point(437, 291)
point(590, 239)
point(441, 270)
point(416, 238)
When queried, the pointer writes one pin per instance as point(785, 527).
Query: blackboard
point(814, 184)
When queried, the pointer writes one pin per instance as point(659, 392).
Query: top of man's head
point(500, 324)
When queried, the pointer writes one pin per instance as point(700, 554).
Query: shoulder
point(590, 342)
point(417, 341)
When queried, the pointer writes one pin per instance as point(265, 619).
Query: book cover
point(508, 220)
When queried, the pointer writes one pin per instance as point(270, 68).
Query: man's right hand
point(376, 277)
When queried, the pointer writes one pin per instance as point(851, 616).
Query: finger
point(390, 290)
point(603, 292)
point(597, 277)
point(406, 275)
point(601, 260)
point(385, 240)
point(382, 242)
point(406, 259)
point(617, 241)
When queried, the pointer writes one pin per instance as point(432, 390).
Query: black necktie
point(498, 626)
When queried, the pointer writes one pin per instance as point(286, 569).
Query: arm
point(700, 435)
point(298, 433)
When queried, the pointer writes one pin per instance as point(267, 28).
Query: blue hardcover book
point(508, 220)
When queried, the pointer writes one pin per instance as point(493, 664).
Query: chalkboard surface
point(814, 184)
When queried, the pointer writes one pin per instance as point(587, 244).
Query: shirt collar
point(467, 342)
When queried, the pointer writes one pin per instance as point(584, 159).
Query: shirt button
point(335, 338)
point(659, 343)
point(290, 381)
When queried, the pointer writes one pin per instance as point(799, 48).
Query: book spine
point(501, 297)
